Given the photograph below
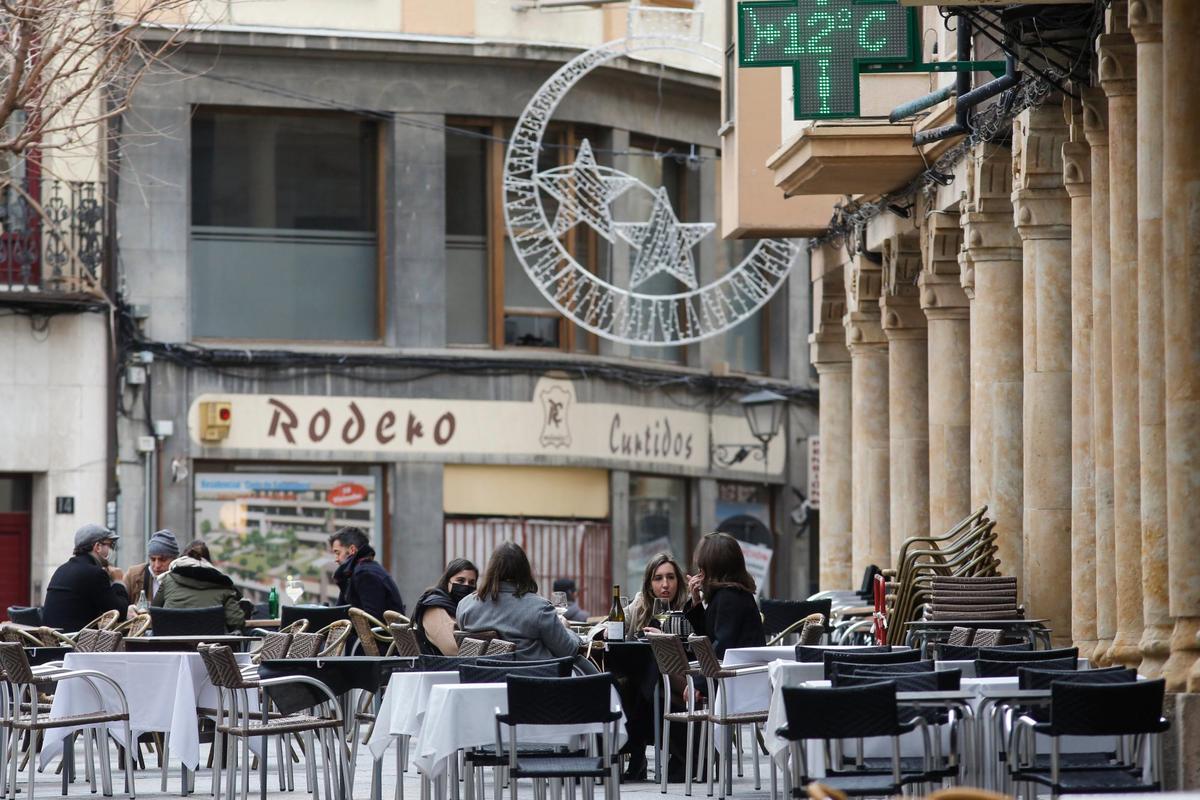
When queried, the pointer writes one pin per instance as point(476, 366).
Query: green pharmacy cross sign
point(827, 43)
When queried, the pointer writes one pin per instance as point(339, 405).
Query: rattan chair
point(715, 676)
point(373, 636)
point(135, 626)
point(673, 663)
point(499, 647)
point(335, 635)
point(91, 640)
point(305, 645)
point(404, 641)
point(274, 645)
point(395, 618)
point(470, 647)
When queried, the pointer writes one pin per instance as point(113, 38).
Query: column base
point(1184, 652)
point(1099, 656)
point(1125, 651)
point(1156, 648)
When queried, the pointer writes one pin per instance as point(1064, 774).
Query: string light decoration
point(662, 244)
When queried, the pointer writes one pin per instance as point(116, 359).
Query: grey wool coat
point(527, 621)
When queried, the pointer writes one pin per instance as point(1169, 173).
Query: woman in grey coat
point(507, 602)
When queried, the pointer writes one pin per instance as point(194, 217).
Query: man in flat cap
point(160, 552)
point(85, 586)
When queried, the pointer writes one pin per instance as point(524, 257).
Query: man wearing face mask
point(86, 585)
point(434, 617)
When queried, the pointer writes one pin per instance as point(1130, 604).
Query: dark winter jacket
point(364, 583)
point(731, 619)
point(195, 583)
point(79, 591)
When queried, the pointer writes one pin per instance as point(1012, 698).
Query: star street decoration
point(586, 191)
point(663, 243)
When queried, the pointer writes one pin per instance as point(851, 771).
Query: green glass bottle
point(273, 603)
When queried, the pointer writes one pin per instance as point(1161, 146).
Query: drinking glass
point(660, 609)
point(559, 601)
point(294, 590)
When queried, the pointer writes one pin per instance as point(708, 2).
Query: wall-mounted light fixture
point(764, 414)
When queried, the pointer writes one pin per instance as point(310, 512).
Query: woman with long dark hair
point(662, 580)
point(722, 605)
point(506, 601)
point(437, 609)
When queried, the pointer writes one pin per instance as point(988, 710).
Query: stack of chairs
point(975, 598)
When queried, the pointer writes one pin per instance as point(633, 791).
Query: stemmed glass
point(559, 601)
point(294, 589)
point(660, 610)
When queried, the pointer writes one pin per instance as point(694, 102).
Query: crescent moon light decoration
point(584, 191)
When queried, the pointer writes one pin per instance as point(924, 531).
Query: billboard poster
point(262, 527)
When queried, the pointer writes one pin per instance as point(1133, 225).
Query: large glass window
point(658, 522)
point(284, 226)
point(466, 236)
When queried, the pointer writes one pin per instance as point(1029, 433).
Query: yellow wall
point(525, 491)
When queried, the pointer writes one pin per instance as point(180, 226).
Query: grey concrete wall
point(416, 519)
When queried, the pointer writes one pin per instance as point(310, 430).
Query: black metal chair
point(501, 661)
point(779, 615)
point(856, 712)
point(318, 616)
point(1131, 709)
point(474, 673)
point(187, 621)
point(987, 668)
point(426, 663)
point(851, 657)
point(966, 652)
point(843, 668)
point(808, 654)
point(1007, 654)
point(25, 615)
point(578, 701)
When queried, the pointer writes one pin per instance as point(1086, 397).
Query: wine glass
point(660, 609)
point(559, 601)
point(294, 589)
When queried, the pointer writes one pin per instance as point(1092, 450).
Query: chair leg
point(245, 768)
point(666, 754)
point(737, 743)
point(105, 763)
point(130, 786)
point(710, 736)
point(754, 758)
point(687, 778)
point(162, 760)
point(218, 760)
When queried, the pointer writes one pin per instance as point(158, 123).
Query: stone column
point(1095, 128)
point(869, 417)
point(908, 390)
point(1181, 318)
point(1077, 181)
point(945, 305)
point(1118, 76)
point(992, 275)
point(1042, 213)
point(832, 362)
point(1145, 22)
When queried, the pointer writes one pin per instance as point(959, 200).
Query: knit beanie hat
point(163, 543)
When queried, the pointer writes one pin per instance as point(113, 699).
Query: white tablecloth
point(163, 691)
point(403, 706)
point(459, 716)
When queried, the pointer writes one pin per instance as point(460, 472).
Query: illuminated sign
point(827, 43)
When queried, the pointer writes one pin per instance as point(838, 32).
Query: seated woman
point(507, 602)
point(193, 582)
point(436, 610)
point(662, 580)
point(722, 605)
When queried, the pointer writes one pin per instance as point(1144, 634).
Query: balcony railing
point(54, 244)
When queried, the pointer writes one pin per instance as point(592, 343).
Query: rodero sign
point(552, 426)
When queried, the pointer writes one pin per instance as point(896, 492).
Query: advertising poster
point(262, 527)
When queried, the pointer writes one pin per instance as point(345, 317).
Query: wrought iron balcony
point(55, 245)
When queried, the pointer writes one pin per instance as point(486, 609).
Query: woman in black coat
point(722, 605)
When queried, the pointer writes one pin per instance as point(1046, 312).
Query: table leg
point(657, 704)
point(263, 702)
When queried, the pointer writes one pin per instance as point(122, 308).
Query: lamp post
point(764, 414)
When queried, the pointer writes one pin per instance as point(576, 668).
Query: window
point(745, 511)
point(730, 83)
point(658, 522)
point(466, 237)
point(285, 226)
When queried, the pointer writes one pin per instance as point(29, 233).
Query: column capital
point(827, 351)
point(966, 273)
point(1077, 169)
point(1041, 208)
point(1095, 116)
point(1118, 64)
point(864, 284)
point(943, 296)
point(901, 265)
point(864, 331)
point(991, 237)
point(1145, 21)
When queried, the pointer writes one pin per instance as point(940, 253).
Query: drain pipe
point(921, 103)
point(962, 86)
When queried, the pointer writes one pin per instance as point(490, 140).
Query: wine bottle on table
point(615, 629)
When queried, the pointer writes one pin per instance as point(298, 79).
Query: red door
point(14, 561)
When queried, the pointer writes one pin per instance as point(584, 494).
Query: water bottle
point(273, 603)
point(142, 605)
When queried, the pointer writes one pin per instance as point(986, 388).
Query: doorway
point(16, 493)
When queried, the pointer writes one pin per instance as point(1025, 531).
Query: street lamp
point(764, 415)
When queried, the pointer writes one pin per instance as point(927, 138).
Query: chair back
point(91, 640)
point(25, 615)
point(136, 627)
point(498, 647)
point(395, 617)
point(669, 654)
point(959, 636)
point(484, 636)
point(1003, 654)
point(564, 665)
point(473, 673)
point(904, 668)
point(305, 645)
point(187, 621)
point(335, 636)
point(364, 627)
point(294, 627)
point(988, 668)
point(841, 713)
point(1041, 679)
point(318, 616)
point(470, 647)
point(105, 620)
point(778, 615)
point(706, 657)
point(859, 657)
point(813, 630)
point(274, 645)
point(945, 681)
point(222, 667)
point(987, 637)
point(404, 640)
point(15, 663)
point(560, 701)
point(1094, 709)
point(807, 654)
point(427, 663)
point(953, 652)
